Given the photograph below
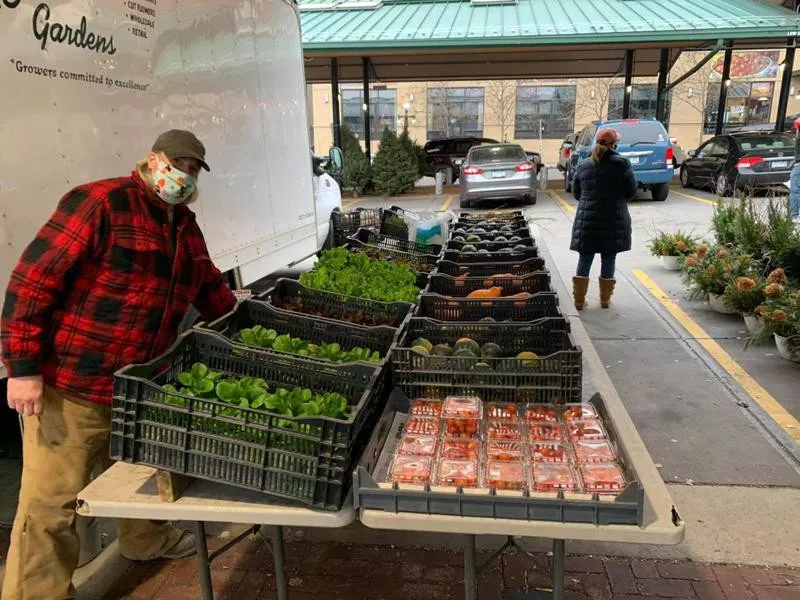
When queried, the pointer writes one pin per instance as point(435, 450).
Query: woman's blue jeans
point(607, 265)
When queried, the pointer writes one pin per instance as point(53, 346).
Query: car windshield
point(638, 132)
point(497, 154)
point(766, 142)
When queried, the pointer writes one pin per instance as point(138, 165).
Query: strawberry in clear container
point(503, 430)
point(502, 411)
point(505, 475)
point(457, 473)
point(586, 430)
point(602, 478)
point(552, 477)
point(580, 412)
point(554, 452)
point(590, 451)
point(541, 413)
point(417, 445)
point(411, 469)
point(545, 432)
point(426, 408)
point(459, 449)
point(499, 450)
point(422, 426)
point(462, 415)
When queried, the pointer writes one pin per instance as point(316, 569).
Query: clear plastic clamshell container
point(423, 426)
point(504, 451)
point(553, 477)
point(457, 473)
point(462, 415)
point(417, 445)
point(586, 430)
point(541, 413)
point(426, 408)
point(506, 411)
point(545, 432)
point(552, 452)
point(459, 449)
point(579, 412)
point(602, 478)
point(503, 475)
point(593, 451)
point(411, 469)
point(503, 430)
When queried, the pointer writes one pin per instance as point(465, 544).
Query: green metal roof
point(359, 25)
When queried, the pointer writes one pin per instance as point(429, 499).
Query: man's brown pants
point(60, 449)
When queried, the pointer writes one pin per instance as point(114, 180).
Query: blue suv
point(644, 142)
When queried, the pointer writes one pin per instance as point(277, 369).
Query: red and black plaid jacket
point(103, 286)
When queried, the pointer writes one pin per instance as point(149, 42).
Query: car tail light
point(631, 121)
point(567, 153)
point(524, 168)
point(748, 161)
point(472, 171)
point(670, 154)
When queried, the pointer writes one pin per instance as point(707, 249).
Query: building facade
point(538, 114)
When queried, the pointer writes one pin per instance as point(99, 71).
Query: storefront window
point(382, 111)
point(551, 107)
point(644, 102)
point(747, 105)
point(455, 112)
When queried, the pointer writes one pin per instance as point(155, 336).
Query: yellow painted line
point(697, 198)
point(447, 202)
point(764, 399)
point(557, 197)
point(347, 205)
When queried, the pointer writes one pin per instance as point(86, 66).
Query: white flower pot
point(783, 349)
point(754, 324)
point(670, 263)
point(718, 305)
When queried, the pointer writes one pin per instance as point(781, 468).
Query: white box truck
point(86, 86)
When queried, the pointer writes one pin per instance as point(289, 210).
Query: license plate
point(780, 164)
point(634, 159)
point(498, 174)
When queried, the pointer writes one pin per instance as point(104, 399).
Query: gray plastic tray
point(625, 509)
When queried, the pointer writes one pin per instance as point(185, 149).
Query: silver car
point(498, 172)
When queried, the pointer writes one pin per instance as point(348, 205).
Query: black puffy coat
point(602, 222)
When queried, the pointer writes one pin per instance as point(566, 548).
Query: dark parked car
point(447, 155)
point(740, 161)
point(565, 151)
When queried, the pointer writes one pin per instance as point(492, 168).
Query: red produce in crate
point(579, 412)
point(459, 449)
point(411, 469)
point(462, 415)
point(457, 473)
point(499, 450)
point(553, 452)
point(502, 412)
point(503, 430)
point(422, 426)
point(545, 432)
point(541, 413)
point(550, 477)
point(505, 475)
point(426, 408)
point(418, 445)
point(588, 451)
point(602, 478)
point(586, 430)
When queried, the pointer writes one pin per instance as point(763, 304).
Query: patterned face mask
point(172, 185)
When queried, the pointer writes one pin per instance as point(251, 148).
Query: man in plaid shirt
point(105, 283)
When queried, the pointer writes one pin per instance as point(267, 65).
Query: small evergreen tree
point(415, 151)
point(356, 171)
point(395, 170)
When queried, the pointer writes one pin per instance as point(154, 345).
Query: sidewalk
point(360, 572)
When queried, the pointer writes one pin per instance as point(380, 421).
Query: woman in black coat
point(603, 185)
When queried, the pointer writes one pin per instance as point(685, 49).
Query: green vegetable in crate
point(459, 238)
point(422, 350)
point(465, 353)
point(515, 238)
point(491, 350)
point(424, 343)
point(469, 248)
point(442, 350)
point(483, 251)
point(467, 344)
point(472, 237)
point(200, 380)
point(267, 338)
point(501, 238)
point(505, 250)
point(529, 359)
point(520, 247)
point(481, 366)
point(258, 336)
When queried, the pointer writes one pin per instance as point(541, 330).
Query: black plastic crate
point(461, 286)
point(492, 216)
point(371, 492)
point(492, 246)
point(523, 267)
point(490, 257)
point(522, 233)
point(370, 238)
point(552, 373)
point(302, 459)
point(311, 329)
point(393, 224)
point(345, 224)
point(292, 296)
point(421, 263)
point(445, 308)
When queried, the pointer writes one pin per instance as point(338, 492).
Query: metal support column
point(367, 129)
point(626, 104)
point(336, 105)
point(203, 561)
point(470, 569)
point(786, 84)
point(663, 74)
point(559, 556)
point(723, 89)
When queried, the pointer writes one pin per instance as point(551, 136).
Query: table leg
point(276, 538)
point(203, 562)
point(559, 555)
point(470, 570)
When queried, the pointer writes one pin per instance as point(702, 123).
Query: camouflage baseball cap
point(178, 143)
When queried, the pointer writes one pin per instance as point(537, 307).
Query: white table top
point(129, 492)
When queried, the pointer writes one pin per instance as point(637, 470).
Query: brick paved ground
point(353, 572)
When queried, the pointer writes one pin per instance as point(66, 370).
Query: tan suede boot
point(580, 286)
point(606, 291)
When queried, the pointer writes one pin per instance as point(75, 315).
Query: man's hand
point(26, 395)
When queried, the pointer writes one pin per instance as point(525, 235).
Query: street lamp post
point(406, 108)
